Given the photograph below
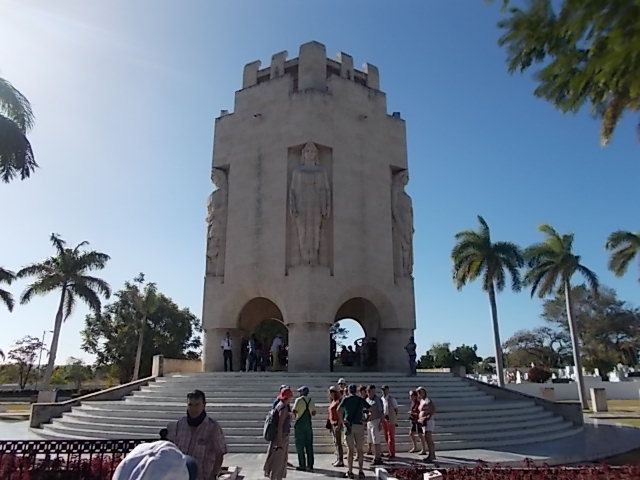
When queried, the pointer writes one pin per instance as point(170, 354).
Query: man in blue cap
point(303, 410)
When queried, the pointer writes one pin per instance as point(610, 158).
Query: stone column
point(308, 347)
point(392, 357)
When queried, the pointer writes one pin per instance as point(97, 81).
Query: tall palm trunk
point(496, 336)
point(54, 341)
point(136, 368)
point(573, 331)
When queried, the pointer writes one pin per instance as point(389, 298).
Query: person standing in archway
point(411, 351)
point(276, 345)
point(227, 352)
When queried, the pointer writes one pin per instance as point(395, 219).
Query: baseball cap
point(342, 381)
point(353, 388)
point(303, 389)
point(159, 460)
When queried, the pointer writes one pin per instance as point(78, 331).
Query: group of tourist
point(256, 355)
point(356, 415)
point(194, 446)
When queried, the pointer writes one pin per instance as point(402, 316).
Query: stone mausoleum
point(310, 222)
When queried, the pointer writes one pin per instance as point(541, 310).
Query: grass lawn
point(628, 406)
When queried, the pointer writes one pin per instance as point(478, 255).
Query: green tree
point(466, 356)
point(24, 353)
point(609, 328)
point(426, 361)
point(551, 265)
point(16, 119)
point(113, 336)
point(67, 272)
point(587, 50)
point(76, 372)
point(442, 356)
point(543, 346)
point(145, 301)
point(624, 247)
point(475, 255)
point(6, 276)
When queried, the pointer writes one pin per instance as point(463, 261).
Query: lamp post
point(44, 332)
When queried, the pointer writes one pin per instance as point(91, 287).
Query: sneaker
point(301, 469)
point(361, 474)
point(430, 459)
point(338, 464)
point(413, 450)
point(377, 461)
point(424, 452)
point(349, 475)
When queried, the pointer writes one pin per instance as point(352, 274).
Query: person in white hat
point(156, 461)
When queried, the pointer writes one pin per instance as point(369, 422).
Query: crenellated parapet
point(311, 69)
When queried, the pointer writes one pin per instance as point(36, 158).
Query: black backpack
point(270, 429)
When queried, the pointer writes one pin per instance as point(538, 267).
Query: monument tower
point(310, 222)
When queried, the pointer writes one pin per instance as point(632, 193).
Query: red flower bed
point(14, 467)
point(586, 472)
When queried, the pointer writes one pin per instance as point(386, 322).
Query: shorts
point(429, 426)
point(375, 433)
point(416, 428)
point(355, 439)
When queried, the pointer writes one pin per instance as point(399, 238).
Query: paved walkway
point(599, 439)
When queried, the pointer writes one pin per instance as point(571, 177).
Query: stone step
point(258, 397)
point(396, 390)
point(85, 414)
point(231, 428)
point(258, 412)
point(260, 446)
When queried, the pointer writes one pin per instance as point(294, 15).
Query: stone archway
point(365, 313)
point(262, 317)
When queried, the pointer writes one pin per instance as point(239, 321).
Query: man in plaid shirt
point(199, 436)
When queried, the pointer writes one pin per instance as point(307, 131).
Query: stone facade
point(313, 221)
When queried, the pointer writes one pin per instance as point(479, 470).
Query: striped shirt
point(205, 443)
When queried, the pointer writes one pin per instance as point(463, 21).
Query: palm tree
point(6, 276)
point(551, 264)
point(67, 271)
point(624, 247)
point(16, 119)
point(474, 255)
point(145, 303)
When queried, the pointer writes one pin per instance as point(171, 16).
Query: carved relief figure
point(309, 203)
point(217, 223)
point(402, 214)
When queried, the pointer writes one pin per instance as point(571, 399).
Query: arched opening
point(353, 336)
point(265, 337)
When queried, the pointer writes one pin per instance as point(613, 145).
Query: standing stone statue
point(217, 223)
point(402, 214)
point(309, 203)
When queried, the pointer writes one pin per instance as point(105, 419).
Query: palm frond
point(58, 242)
point(620, 237)
point(88, 296)
point(16, 154)
point(7, 299)
point(591, 278)
point(79, 246)
point(95, 283)
point(42, 286)
point(92, 260)
point(69, 303)
point(15, 106)
point(6, 276)
point(624, 246)
point(43, 268)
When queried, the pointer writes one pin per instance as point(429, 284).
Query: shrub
point(538, 375)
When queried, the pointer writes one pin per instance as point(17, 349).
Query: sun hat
point(159, 460)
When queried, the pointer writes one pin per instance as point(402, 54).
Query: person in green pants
point(303, 410)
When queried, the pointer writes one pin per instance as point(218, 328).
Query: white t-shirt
point(275, 346)
point(226, 344)
point(390, 407)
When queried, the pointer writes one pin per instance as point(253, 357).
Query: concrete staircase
point(466, 417)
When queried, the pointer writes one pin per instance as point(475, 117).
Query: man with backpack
point(303, 410)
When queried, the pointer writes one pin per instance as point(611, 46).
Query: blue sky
point(125, 94)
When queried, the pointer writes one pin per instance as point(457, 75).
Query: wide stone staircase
point(466, 416)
